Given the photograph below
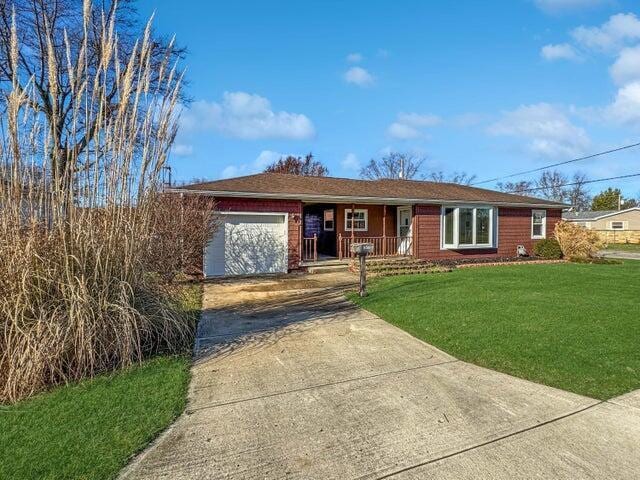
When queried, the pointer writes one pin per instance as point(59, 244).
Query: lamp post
point(361, 250)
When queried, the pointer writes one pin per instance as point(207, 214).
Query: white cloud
point(615, 33)
point(401, 131)
point(561, 51)
point(358, 76)
point(410, 125)
point(560, 6)
point(626, 68)
point(246, 116)
point(355, 57)
point(182, 149)
point(548, 131)
point(419, 120)
point(626, 107)
point(350, 163)
point(264, 159)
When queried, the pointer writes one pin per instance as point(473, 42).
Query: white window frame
point(347, 227)
point(324, 220)
point(621, 222)
point(493, 228)
point(544, 224)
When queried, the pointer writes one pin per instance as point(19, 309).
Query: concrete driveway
point(292, 381)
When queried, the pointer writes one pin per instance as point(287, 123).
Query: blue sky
point(489, 88)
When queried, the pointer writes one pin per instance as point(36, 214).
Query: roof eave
point(361, 199)
point(591, 219)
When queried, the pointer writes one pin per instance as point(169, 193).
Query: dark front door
point(321, 221)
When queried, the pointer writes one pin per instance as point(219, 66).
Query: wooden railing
point(310, 249)
point(382, 246)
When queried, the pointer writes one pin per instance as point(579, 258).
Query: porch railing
point(310, 249)
point(382, 246)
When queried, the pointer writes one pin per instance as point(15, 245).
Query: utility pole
point(619, 201)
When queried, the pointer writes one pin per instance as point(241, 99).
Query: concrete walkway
point(620, 254)
point(292, 381)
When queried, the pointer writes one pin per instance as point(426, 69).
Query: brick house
point(274, 222)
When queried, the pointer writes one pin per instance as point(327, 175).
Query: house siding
point(514, 228)
point(292, 207)
point(632, 218)
point(375, 216)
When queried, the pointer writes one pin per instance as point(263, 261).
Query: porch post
point(301, 251)
point(340, 246)
point(384, 231)
point(353, 222)
point(315, 247)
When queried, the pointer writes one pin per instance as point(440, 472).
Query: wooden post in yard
point(363, 276)
point(384, 231)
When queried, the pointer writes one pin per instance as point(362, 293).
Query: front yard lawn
point(571, 326)
point(91, 429)
point(624, 247)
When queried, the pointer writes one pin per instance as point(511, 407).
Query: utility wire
point(625, 147)
point(575, 183)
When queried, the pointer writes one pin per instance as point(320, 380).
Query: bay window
point(538, 224)
point(468, 227)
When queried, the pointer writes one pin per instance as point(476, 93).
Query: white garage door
point(247, 244)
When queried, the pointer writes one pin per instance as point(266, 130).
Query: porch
point(329, 230)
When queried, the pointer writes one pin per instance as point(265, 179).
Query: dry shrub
point(79, 227)
point(576, 241)
point(183, 226)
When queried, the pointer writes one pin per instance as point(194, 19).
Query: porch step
point(327, 268)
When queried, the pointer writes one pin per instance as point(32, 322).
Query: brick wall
point(292, 207)
point(514, 228)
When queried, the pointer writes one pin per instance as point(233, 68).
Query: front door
point(320, 220)
point(404, 230)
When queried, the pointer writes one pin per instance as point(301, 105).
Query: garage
point(248, 244)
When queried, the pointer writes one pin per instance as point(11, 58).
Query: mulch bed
point(487, 262)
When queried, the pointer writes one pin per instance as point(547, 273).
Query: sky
point(488, 88)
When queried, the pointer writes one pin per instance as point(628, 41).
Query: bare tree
point(56, 49)
point(395, 165)
point(461, 178)
point(551, 185)
point(576, 194)
point(522, 187)
point(307, 166)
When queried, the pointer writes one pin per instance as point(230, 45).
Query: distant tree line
point(551, 184)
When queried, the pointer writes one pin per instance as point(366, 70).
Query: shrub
point(81, 289)
point(576, 241)
point(548, 248)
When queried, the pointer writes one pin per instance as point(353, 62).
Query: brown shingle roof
point(274, 185)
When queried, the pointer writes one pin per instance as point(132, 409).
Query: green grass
point(571, 326)
point(90, 430)
point(624, 247)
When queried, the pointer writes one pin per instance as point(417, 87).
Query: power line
point(576, 183)
point(625, 147)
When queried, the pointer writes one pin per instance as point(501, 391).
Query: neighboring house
point(277, 222)
point(614, 226)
